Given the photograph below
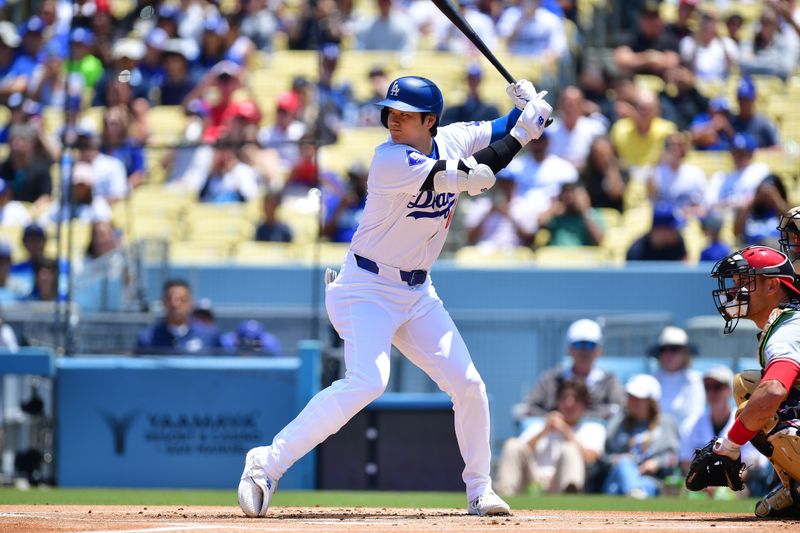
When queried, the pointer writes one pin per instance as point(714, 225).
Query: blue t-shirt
point(715, 251)
point(759, 128)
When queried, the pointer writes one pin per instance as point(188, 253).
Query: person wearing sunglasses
point(584, 346)
point(682, 394)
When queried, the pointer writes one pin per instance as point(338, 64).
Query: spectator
point(572, 133)
point(369, 114)
point(32, 41)
point(789, 24)
point(240, 48)
point(603, 177)
point(681, 27)
point(34, 240)
point(176, 333)
point(344, 211)
point(749, 121)
point(250, 338)
point(82, 61)
point(213, 49)
point(715, 421)
point(584, 346)
point(28, 175)
point(674, 180)
point(241, 131)
point(664, 241)
point(474, 108)
point(151, 64)
point(680, 100)
point(734, 24)
point(555, 452)
point(203, 312)
point(681, 387)
point(305, 173)
point(108, 177)
point(769, 52)
point(229, 179)
point(45, 282)
point(639, 140)
point(503, 218)
point(271, 229)
point(84, 204)
point(12, 213)
point(539, 172)
point(126, 57)
point(188, 165)
point(104, 239)
point(571, 219)
point(390, 29)
point(642, 444)
point(710, 56)
point(757, 221)
point(6, 293)
point(11, 81)
point(734, 189)
point(27, 112)
point(713, 130)
point(319, 23)
point(334, 104)
point(651, 50)
point(599, 102)
point(258, 23)
point(115, 141)
point(284, 134)
point(176, 83)
point(716, 249)
point(454, 41)
point(531, 30)
point(48, 81)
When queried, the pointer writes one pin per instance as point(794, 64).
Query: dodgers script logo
point(395, 89)
point(414, 158)
point(434, 205)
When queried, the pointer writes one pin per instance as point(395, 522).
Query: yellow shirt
point(638, 150)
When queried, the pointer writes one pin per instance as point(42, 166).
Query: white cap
point(720, 374)
point(644, 386)
point(585, 330)
point(130, 48)
point(673, 336)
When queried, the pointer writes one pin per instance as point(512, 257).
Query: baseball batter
point(383, 294)
point(759, 283)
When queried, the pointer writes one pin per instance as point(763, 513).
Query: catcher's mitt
point(711, 470)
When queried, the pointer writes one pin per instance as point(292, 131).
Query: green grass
point(587, 502)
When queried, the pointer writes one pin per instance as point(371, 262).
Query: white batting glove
point(523, 92)
point(532, 121)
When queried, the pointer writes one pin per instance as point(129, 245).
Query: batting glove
point(523, 92)
point(532, 121)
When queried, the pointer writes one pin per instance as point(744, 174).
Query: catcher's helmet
point(732, 298)
point(412, 93)
point(789, 227)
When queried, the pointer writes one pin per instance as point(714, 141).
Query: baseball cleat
point(488, 504)
point(255, 487)
point(779, 503)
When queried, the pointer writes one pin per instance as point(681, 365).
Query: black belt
point(413, 277)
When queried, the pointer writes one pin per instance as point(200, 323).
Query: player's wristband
point(739, 434)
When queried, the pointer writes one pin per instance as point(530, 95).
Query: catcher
point(759, 283)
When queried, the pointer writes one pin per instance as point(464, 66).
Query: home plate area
point(162, 519)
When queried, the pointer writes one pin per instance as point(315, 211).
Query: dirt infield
point(158, 519)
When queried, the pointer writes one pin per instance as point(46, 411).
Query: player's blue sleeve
point(502, 126)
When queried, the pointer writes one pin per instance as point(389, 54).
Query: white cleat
point(488, 504)
point(255, 487)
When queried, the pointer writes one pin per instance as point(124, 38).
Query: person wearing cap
point(271, 228)
point(48, 81)
point(81, 59)
point(553, 452)
point(176, 82)
point(571, 219)
point(108, 177)
point(572, 132)
point(34, 240)
point(259, 24)
point(757, 221)
point(213, 46)
point(715, 421)
point(26, 173)
point(681, 386)
point(769, 52)
point(639, 139)
point(761, 129)
point(712, 130)
point(177, 333)
point(664, 241)
point(335, 105)
point(251, 338)
point(735, 188)
point(584, 339)
point(531, 30)
point(651, 50)
point(474, 106)
point(84, 203)
point(710, 55)
point(283, 135)
point(642, 444)
point(715, 248)
point(12, 77)
point(117, 142)
point(343, 211)
point(390, 29)
point(12, 212)
point(674, 180)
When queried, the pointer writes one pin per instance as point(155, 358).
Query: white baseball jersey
point(402, 226)
point(780, 340)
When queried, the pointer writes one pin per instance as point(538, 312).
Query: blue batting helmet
point(413, 93)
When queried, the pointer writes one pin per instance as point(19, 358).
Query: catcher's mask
point(737, 276)
point(789, 227)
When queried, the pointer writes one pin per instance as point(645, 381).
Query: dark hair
point(577, 386)
point(772, 179)
point(435, 126)
point(175, 282)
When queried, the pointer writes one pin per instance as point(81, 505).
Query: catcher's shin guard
point(785, 456)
